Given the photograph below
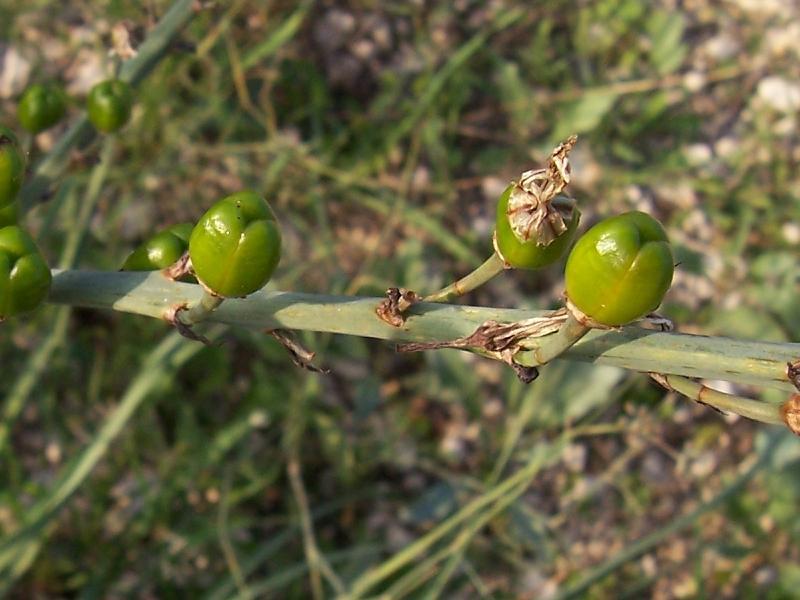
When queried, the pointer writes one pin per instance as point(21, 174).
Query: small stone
point(332, 31)
point(726, 146)
point(53, 453)
point(780, 94)
point(722, 47)
point(791, 233)
point(14, 71)
point(574, 457)
point(698, 154)
point(258, 419)
point(694, 81)
point(363, 49)
point(703, 465)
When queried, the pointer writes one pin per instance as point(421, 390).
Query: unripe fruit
point(12, 167)
point(535, 251)
point(41, 107)
point(109, 105)
point(8, 215)
point(620, 269)
point(161, 250)
point(236, 245)
point(24, 276)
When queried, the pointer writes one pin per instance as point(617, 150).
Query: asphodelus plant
point(617, 273)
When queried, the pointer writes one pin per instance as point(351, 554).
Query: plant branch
point(644, 350)
point(201, 309)
point(491, 267)
point(552, 346)
point(766, 412)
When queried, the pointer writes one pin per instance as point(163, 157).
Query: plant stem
point(491, 267)
point(644, 350)
point(553, 346)
point(201, 309)
point(766, 412)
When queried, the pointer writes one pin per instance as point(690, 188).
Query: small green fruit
point(161, 250)
point(8, 215)
point(533, 253)
point(620, 269)
point(41, 107)
point(236, 245)
point(24, 276)
point(109, 105)
point(12, 167)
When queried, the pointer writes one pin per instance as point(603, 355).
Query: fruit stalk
point(490, 267)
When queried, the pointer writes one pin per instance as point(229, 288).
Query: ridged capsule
point(236, 245)
point(24, 276)
point(620, 269)
point(161, 250)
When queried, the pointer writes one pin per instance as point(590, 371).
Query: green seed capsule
point(620, 269)
point(524, 248)
point(24, 275)
point(12, 167)
point(41, 107)
point(236, 245)
point(109, 105)
point(9, 215)
point(161, 250)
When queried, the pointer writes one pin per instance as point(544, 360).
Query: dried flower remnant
point(531, 211)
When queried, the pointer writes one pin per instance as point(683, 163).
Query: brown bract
point(790, 411)
point(397, 301)
point(793, 373)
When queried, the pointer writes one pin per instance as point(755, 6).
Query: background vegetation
point(382, 134)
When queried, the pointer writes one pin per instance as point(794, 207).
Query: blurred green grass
point(382, 135)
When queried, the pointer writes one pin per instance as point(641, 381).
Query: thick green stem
point(491, 267)
point(150, 294)
point(765, 412)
